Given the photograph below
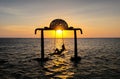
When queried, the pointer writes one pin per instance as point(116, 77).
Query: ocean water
point(100, 59)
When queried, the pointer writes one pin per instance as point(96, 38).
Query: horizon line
point(56, 38)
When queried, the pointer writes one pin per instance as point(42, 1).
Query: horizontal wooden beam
point(46, 28)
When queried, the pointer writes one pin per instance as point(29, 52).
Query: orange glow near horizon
point(26, 31)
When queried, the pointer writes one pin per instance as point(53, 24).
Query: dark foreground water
point(100, 59)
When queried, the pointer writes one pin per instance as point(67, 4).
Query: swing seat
point(58, 52)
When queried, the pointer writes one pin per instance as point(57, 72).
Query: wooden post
point(75, 45)
point(42, 45)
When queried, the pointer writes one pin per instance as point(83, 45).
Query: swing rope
point(55, 40)
point(62, 37)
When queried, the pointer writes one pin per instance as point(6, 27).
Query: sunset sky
point(97, 18)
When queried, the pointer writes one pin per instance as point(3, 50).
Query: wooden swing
point(59, 24)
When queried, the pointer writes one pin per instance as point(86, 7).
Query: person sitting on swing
point(57, 51)
point(63, 47)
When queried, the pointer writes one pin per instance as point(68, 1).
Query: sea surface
point(100, 59)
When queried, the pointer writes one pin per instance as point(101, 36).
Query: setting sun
point(59, 33)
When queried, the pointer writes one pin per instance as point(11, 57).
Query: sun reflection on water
point(58, 43)
point(59, 66)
